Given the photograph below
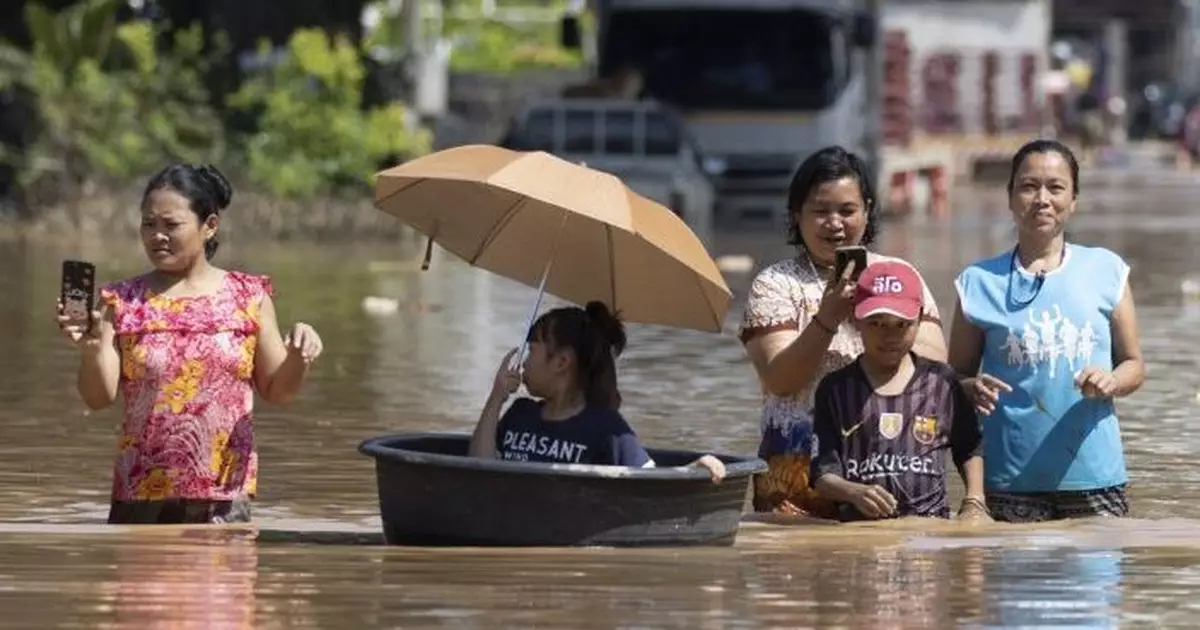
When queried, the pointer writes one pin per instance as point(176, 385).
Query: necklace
point(1039, 279)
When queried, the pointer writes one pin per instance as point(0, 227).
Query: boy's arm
point(966, 444)
point(828, 473)
point(835, 488)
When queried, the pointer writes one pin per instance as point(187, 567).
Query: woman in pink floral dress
point(187, 345)
point(797, 326)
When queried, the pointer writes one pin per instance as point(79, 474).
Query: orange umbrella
point(574, 232)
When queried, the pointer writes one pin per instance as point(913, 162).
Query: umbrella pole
point(537, 304)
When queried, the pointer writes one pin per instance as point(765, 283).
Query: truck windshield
point(743, 59)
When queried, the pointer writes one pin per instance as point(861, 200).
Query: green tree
point(489, 43)
point(108, 105)
point(493, 46)
point(313, 136)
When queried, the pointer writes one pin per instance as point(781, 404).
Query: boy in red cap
point(883, 422)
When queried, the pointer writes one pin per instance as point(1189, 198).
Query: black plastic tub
point(432, 494)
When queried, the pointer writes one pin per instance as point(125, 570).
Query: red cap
point(891, 287)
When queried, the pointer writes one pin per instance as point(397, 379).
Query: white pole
point(537, 304)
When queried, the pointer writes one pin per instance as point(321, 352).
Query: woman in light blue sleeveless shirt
point(1046, 333)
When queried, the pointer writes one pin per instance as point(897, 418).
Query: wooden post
point(1116, 68)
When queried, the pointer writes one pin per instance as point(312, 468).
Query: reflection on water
point(802, 577)
point(316, 561)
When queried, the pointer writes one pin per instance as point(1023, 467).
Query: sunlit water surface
point(315, 558)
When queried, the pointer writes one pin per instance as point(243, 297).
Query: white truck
point(760, 84)
point(642, 142)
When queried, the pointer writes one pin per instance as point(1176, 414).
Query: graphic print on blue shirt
point(594, 436)
point(1045, 436)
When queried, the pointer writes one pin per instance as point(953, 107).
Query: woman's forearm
point(98, 376)
point(931, 342)
point(286, 381)
point(483, 440)
point(1129, 375)
point(1130, 370)
point(792, 368)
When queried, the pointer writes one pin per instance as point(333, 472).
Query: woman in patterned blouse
point(187, 345)
point(797, 326)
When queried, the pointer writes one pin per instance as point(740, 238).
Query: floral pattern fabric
point(786, 296)
point(187, 369)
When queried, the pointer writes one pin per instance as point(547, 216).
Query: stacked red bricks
point(939, 81)
point(897, 90)
point(991, 68)
point(1031, 114)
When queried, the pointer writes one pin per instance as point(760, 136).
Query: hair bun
point(222, 190)
point(611, 328)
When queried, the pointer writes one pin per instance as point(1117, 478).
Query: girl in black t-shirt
point(571, 367)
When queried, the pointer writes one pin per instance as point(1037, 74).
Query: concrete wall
point(998, 24)
point(970, 29)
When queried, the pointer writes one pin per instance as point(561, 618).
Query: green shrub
point(488, 44)
point(312, 135)
point(108, 105)
point(492, 46)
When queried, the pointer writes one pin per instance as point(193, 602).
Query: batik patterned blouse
point(187, 370)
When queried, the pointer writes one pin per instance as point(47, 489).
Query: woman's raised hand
point(838, 302)
point(305, 342)
point(984, 391)
point(80, 329)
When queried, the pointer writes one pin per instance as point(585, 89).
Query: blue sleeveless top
point(1044, 436)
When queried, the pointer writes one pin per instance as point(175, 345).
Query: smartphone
point(79, 290)
point(857, 253)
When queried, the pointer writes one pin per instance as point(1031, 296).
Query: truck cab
point(642, 142)
point(759, 84)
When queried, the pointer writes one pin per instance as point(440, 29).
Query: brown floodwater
point(315, 558)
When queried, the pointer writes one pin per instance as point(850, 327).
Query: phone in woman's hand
point(844, 255)
point(79, 290)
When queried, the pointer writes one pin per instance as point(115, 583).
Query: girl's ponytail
point(607, 343)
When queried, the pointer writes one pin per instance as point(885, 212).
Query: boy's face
point(887, 338)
